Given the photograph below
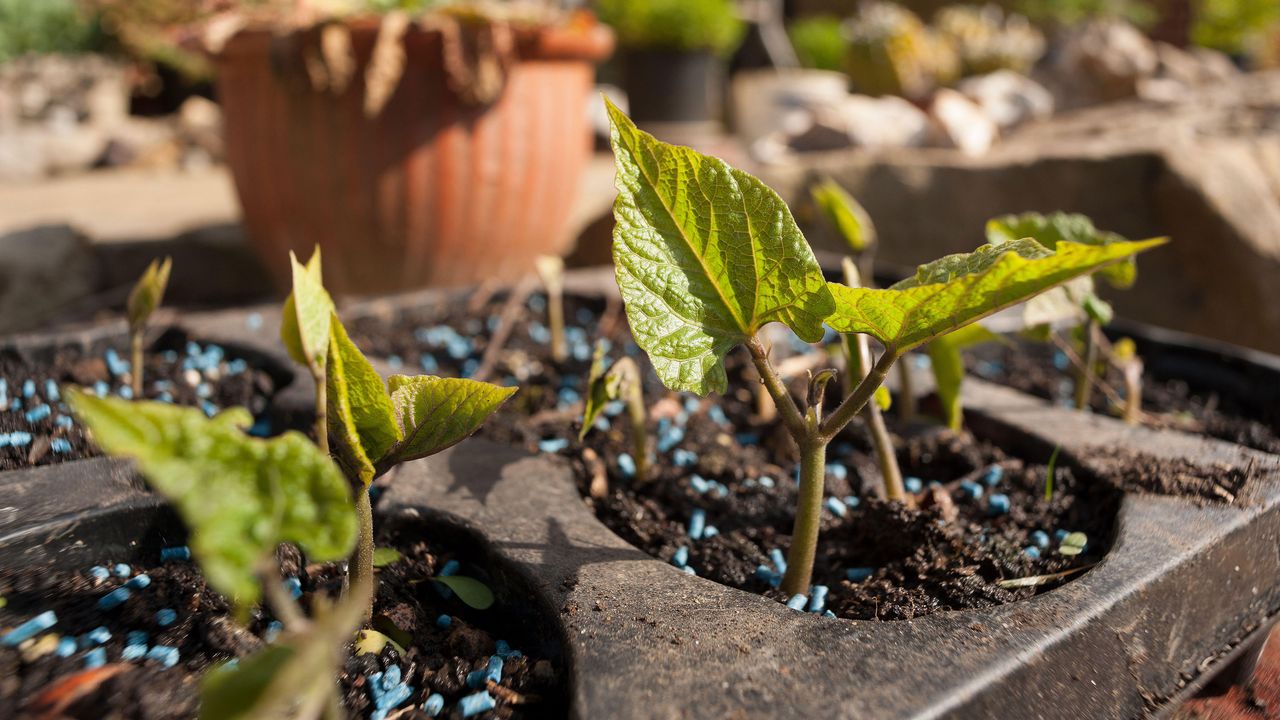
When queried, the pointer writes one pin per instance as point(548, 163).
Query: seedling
point(706, 255)
point(1049, 473)
point(1076, 299)
point(145, 297)
point(374, 426)
point(551, 270)
point(948, 367)
point(622, 381)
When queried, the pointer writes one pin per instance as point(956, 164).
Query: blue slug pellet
point(433, 705)
point(121, 570)
point(681, 556)
point(294, 587)
point(476, 704)
point(797, 602)
point(95, 658)
point(697, 523)
point(494, 670)
point(710, 532)
point(699, 484)
point(766, 481)
point(627, 465)
point(97, 572)
point(836, 507)
point(29, 629)
point(28, 388)
point(818, 598)
point(553, 445)
point(997, 504)
point(858, 574)
point(133, 652)
point(449, 568)
point(837, 471)
point(139, 582)
point(1041, 539)
point(166, 617)
point(852, 501)
point(66, 647)
point(913, 484)
point(1032, 552)
point(972, 490)
point(779, 562)
point(165, 655)
point(113, 599)
point(273, 630)
point(1060, 534)
point(993, 476)
point(96, 636)
point(17, 438)
point(39, 412)
point(51, 391)
point(60, 445)
point(176, 553)
point(444, 622)
point(684, 458)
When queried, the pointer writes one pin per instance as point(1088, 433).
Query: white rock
point(1009, 98)
point(884, 122)
point(960, 123)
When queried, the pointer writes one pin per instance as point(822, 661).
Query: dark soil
point(1138, 472)
point(231, 382)
point(1042, 370)
point(407, 607)
point(949, 553)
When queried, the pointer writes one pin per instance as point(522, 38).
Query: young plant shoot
point(706, 255)
point(551, 270)
point(372, 426)
point(145, 297)
point(621, 381)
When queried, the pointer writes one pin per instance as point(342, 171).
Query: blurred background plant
point(47, 26)
point(987, 40)
point(819, 42)
point(892, 52)
point(687, 25)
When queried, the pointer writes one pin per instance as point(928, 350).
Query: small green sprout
point(385, 556)
point(145, 297)
point(948, 367)
point(1049, 473)
point(622, 381)
point(304, 329)
point(469, 590)
point(706, 255)
point(1073, 544)
point(551, 270)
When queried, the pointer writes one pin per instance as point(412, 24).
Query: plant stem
point(856, 400)
point(782, 399)
point(1084, 385)
point(282, 604)
point(906, 394)
point(1133, 391)
point(135, 357)
point(322, 407)
point(360, 567)
point(889, 470)
point(555, 318)
point(804, 535)
point(639, 433)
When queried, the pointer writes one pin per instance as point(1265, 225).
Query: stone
point(42, 270)
point(884, 122)
point(960, 123)
point(1009, 98)
point(1203, 170)
point(1101, 61)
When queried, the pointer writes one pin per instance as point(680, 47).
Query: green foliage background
point(674, 24)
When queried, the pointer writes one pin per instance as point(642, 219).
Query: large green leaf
point(297, 677)
point(948, 366)
point(846, 214)
point(304, 328)
point(956, 290)
point(240, 496)
point(1049, 230)
point(147, 295)
point(435, 413)
point(705, 255)
point(362, 421)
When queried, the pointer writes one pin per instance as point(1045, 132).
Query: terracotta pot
point(436, 189)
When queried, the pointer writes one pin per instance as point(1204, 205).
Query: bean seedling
point(620, 382)
point(145, 297)
point(706, 255)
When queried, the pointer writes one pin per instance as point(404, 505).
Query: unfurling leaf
point(705, 255)
point(435, 413)
point(846, 214)
point(362, 421)
point(240, 496)
point(948, 367)
point(1073, 544)
point(956, 290)
point(1049, 230)
point(470, 591)
point(305, 325)
point(597, 391)
point(296, 677)
point(147, 295)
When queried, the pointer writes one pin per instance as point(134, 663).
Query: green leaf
point(956, 290)
point(296, 676)
point(1049, 230)
point(435, 413)
point(948, 367)
point(470, 591)
point(361, 419)
point(240, 496)
point(385, 556)
point(304, 327)
point(705, 255)
point(1098, 309)
point(372, 642)
point(846, 214)
point(598, 394)
point(147, 295)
